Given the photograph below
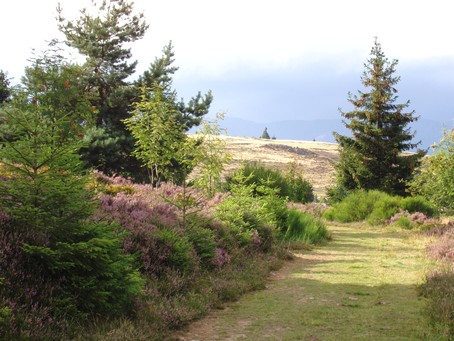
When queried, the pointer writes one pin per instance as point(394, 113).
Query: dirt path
point(361, 286)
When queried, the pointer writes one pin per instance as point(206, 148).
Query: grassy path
point(361, 286)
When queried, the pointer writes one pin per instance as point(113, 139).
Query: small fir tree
point(372, 157)
point(265, 134)
point(71, 267)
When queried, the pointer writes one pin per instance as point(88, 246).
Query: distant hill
point(428, 131)
point(314, 159)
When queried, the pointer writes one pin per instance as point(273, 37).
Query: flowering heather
point(416, 218)
point(443, 248)
point(221, 257)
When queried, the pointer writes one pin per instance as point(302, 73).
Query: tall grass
point(304, 227)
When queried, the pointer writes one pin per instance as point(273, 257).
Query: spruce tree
point(372, 157)
point(74, 265)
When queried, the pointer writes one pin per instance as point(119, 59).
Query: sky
point(272, 60)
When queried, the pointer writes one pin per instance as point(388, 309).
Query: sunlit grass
point(361, 286)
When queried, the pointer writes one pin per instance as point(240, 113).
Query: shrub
point(376, 207)
point(245, 212)
point(418, 204)
point(404, 222)
point(384, 209)
point(203, 242)
point(302, 226)
point(357, 206)
point(434, 179)
point(291, 185)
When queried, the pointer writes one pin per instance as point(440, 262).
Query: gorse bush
point(376, 207)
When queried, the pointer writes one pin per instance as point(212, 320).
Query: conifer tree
point(265, 134)
point(103, 39)
point(160, 73)
point(74, 265)
point(372, 157)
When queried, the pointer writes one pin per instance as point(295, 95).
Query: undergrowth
point(438, 287)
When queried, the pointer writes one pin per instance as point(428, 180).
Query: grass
point(362, 286)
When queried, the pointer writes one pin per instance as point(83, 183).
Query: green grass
point(361, 286)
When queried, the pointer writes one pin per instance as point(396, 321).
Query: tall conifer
point(372, 157)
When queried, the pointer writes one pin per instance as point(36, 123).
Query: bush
point(203, 242)
point(384, 209)
point(357, 206)
point(377, 208)
point(418, 204)
point(304, 227)
point(434, 179)
point(291, 185)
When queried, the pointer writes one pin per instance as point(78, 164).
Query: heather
point(438, 286)
point(192, 258)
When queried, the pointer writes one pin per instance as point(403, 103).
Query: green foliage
point(372, 158)
point(104, 39)
point(384, 208)
point(210, 157)
point(291, 185)
point(44, 193)
point(357, 206)
point(376, 207)
point(304, 227)
point(404, 222)
point(203, 241)
point(251, 208)
point(160, 73)
point(336, 194)
point(434, 179)
point(157, 132)
point(98, 277)
point(178, 248)
point(5, 91)
point(418, 204)
point(297, 188)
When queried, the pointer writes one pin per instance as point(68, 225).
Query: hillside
point(314, 159)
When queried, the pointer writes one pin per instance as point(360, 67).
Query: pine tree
point(161, 73)
point(372, 158)
point(103, 39)
point(265, 134)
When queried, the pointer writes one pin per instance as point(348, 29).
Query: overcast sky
point(272, 60)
